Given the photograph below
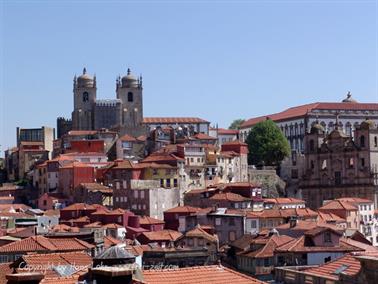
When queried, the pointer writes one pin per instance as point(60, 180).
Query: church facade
point(339, 165)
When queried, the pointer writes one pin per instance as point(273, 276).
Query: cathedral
point(125, 113)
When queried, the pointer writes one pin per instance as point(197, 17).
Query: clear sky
point(218, 60)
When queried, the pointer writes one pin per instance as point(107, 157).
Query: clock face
point(85, 97)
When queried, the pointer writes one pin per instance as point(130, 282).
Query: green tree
point(267, 144)
point(236, 124)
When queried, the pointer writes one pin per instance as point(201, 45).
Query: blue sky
point(217, 60)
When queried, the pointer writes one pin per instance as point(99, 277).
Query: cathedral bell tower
point(129, 90)
point(84, 92)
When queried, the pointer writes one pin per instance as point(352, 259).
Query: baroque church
point(338, 165)
point(125, 113)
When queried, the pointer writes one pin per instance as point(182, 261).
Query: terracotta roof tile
point(127, 138)
point(270, 245)
point(212, 274)
point(328, 270)
point(147, 220)
point(337, 205)
point(163, 235)
point(299, 245)
point(229, 196)
point(42, 244)
point(183, 209)
point(281, 200)
point(199, 232)
point(299, 111)
point(223, 131)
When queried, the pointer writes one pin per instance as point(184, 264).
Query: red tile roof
point(355, 200)
point(164, 235)
point(5, 268)
point(211, 274)
point(183, 209)
point(42, 244)
point(281, 200)
point(351, 264)
point(299, 245)
point(223, 131)
point(147, 220)
point(330, 218)
point(110, 241)
point(65, 228)
point(199, 232)
point(172, 120)
point(300, 111)
point(127, 138)
point(201, 136)
point(79, 206)
point(338, 205)
point(229, 196)
point(270, 245)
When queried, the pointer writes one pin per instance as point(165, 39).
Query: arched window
point(130, 97)
point(85, 97)
point(362, 141)
point(375, 141)
point(330, 126)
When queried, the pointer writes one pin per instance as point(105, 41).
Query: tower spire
point(84, 70)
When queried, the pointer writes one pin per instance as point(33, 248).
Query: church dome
point(368, 124)
point(317, 128)
point(129, 80)
point(349, 99)
point(85, 80)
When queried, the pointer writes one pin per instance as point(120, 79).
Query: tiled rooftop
point(211, 274)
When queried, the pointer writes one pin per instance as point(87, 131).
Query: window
point(175, 182)
point(135, 194)
point(168, 182)
point(375, 141)
point(44, 202)
point(162, 182)
point(337, 178)
point(201, 242)
point(312, 164)
point(327, 259)
point(190, 242)
point(154, 172)
point(231, 222)
point(130, 97)
point(362, 141)
point(253, 224)
point(362, 162)
point(142, 194)
point(85, 97)
point(218, 221)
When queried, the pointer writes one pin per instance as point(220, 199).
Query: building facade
point(337, 165)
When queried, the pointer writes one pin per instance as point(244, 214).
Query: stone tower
point(129, 90)
point(84, 91)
